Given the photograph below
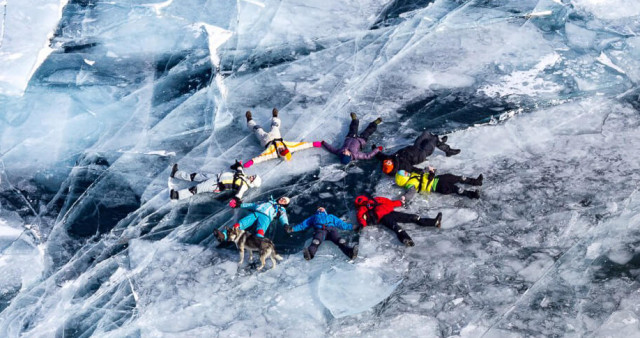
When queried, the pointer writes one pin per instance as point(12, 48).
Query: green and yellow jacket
point(421, 182)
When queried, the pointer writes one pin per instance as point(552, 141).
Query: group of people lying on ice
point(401, 165)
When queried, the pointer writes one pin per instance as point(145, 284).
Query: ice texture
point(541, 96)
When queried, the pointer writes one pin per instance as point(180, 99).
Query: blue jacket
point(322, 220)
point(269, 209)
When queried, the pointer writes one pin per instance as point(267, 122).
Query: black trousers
point(447, 184)
point(392, 219)
point(417, 153)
point(353, 130)
point(331, 234)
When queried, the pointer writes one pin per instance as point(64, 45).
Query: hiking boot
point(274, 112)
point(444, 139)
point(438, 220)
point(447, 150)
point(194, 189)
point(248, 115)
point(408, 242)
point(353, 116)
point(307, 255)
point(354, 252)
point(473, 181)
point(474, 194)
point(377, 121)
point(173, 194)
point(174, 170)
point(219, 235)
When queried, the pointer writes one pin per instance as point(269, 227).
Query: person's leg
point(332, 235)
point(310, 251)
point(447, 184)
point(371, 128)
point(427, 145)
point(262, 225)
point(353, 128)
point(210, 185)
point(425, 136)
point(275, 129)
point(191, 177)
point(259, 132)
point(390, 222)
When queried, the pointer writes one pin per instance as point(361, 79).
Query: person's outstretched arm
point(330, 148)
point(337, 222)
point(302, 226)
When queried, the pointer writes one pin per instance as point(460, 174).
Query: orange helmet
point(387, 166)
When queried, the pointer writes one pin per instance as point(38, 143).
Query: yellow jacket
point(420, 182)
point(271, 151)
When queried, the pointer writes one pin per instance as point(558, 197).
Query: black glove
point(288, 228)
point(236, 166)
point(373, 147)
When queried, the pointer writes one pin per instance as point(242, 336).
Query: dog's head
point(233, 234)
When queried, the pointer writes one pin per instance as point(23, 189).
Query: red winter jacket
point(379, 206)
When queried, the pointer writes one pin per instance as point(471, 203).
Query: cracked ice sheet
point(25, 31)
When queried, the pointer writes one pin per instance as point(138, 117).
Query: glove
point(236, 166)
point(317, 144)
point(288, 228)
point(233, 203)
point(248, 164)
point(373, 146)
point(380, 148)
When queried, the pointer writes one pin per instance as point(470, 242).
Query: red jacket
point(378, 207)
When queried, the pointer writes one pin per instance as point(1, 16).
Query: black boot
point(274, 112)
point(471, 194)
point(248, 115)
point(403, 236)
point(307, 254)
point(354, 252)
point(378, 120)
point(473, 181)
point(353, 116)
point(430, 222)
point(174, 170)
point(173, 194)
point(193, 190)
point(447, 150)
point(439, 220)
point(444, 139)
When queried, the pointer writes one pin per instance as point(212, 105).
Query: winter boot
point(354, 252)
point(428, 222)
point(248, 115)
point(447, 150)
point(438, 220)
point(194, 189)
point(307, 254)
point(378, 120)
point(274, 112)
point(173, 194)
point(174, 170)
point(404, 238)
point(444, 139)
point(220, 236)
point(353, 116)
point(473, 181)
point(471, 194)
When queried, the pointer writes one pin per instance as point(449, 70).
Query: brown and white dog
point(245, 240)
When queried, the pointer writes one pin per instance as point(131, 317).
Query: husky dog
point(245, 240)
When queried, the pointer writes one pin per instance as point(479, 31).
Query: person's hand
point(288, 229)
point(317, 144)
point(403, 200)
point(248, 164)
point(373, 146)
point(431, 169)
point(380, 148)
point(233, 203)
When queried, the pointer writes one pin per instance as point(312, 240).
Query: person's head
point(284, 201)
point(387, 166)
point(321, 209)
point(361, 200)
point(345, 159)
point(402, 173)
point(284, 152)
point(256, 180)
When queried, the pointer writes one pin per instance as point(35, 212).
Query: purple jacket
point(354, 144)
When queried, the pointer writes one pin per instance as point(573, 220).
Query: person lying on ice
point(326, 227)
point(235, 181)
point(262, 215)
point(407, 157)
point(272, 141)
point(353, 143)
point(379, 210)
point(445, 184)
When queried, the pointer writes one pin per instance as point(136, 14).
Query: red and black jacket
point(370, 211)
